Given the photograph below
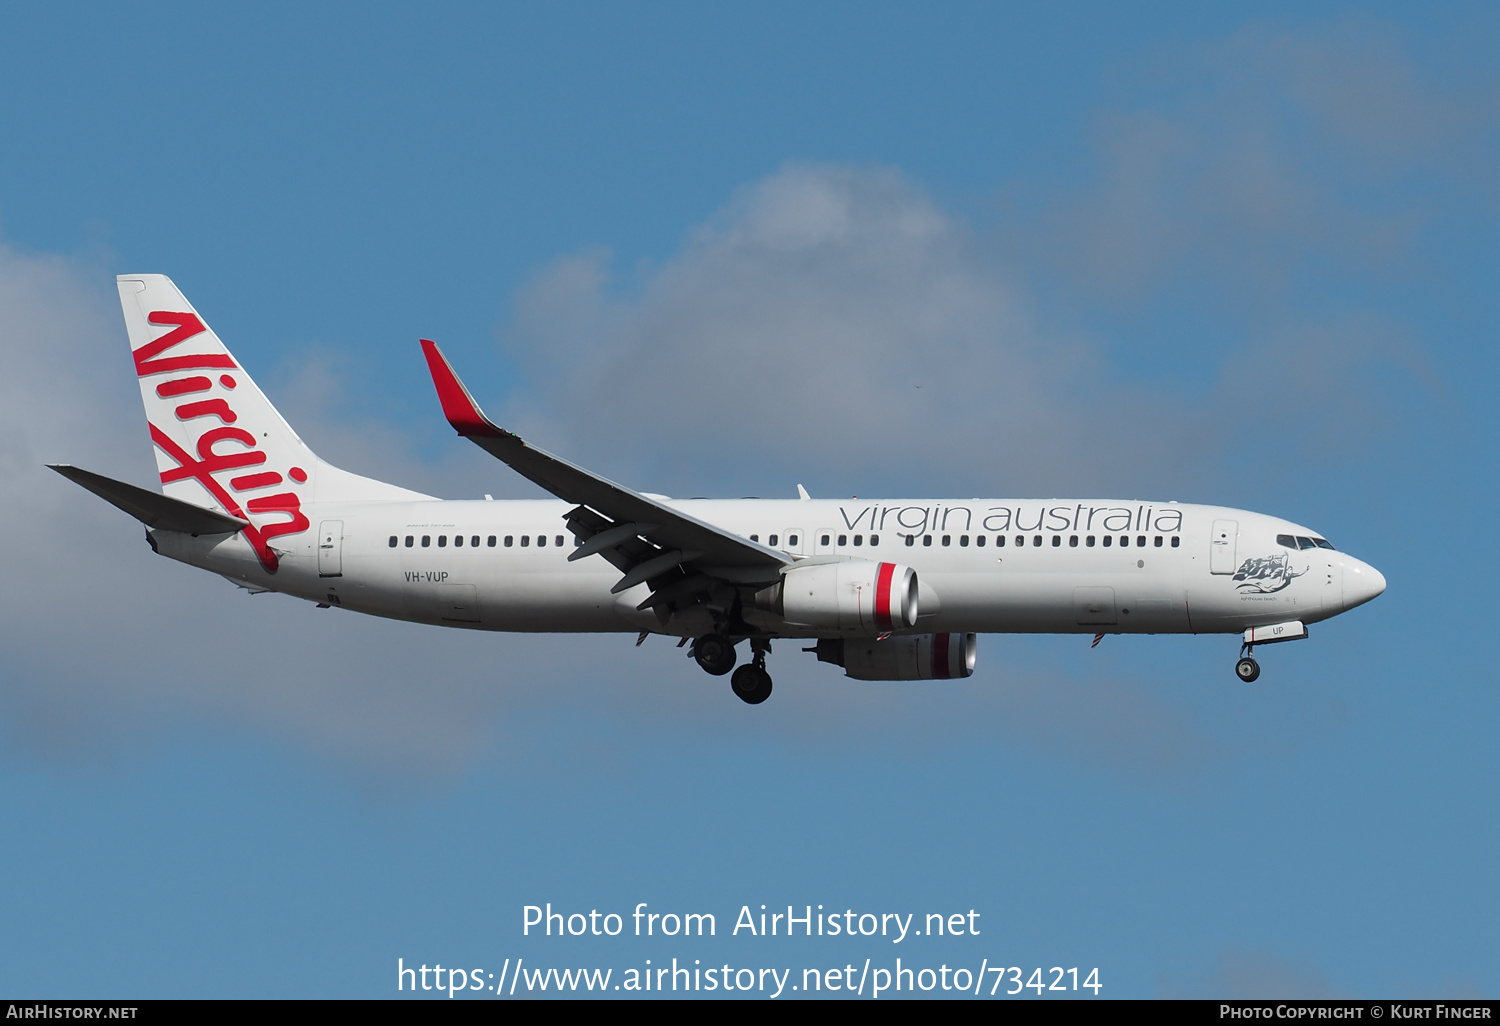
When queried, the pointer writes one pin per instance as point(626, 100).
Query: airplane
point(888, 590)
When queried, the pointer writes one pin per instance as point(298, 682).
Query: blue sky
point(1215, 253)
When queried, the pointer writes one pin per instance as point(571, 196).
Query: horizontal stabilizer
point(151, 508)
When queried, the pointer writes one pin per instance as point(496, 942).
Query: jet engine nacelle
point(847, 595)
point(905, 657)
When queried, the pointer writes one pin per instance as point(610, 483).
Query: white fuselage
point(243, 495)
point(985, 566)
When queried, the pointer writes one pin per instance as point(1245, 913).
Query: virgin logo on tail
point(242, 451)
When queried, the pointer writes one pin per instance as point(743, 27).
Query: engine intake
point(848, 595)
point(905, 657)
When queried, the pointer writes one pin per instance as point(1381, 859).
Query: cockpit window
point(1305, 543)
point(1286, 540)
point(1324, 543)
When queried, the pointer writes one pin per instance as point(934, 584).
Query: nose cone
point(1362, 582)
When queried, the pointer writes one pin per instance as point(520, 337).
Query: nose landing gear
point(751, 681)
point(1247, 669)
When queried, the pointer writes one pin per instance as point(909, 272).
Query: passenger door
point(331, 548)
point(1221, 548)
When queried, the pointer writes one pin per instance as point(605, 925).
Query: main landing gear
point(715, 653)
point(751, 681)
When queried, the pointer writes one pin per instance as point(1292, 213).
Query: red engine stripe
point(940, 656)
point(883, 596)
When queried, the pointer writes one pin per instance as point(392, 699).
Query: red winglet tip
point(458, 406)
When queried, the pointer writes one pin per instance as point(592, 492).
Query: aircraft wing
point(646, 539)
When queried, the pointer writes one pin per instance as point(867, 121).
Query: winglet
point(458, 405)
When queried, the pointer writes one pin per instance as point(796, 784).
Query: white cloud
point(832, 323)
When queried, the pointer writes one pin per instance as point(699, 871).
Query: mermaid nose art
point(1362, 582)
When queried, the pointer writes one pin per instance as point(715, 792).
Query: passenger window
point(1020, 541)
point(558, 541)
point(843, 540)
point(911, 540)
point(1124, 541)
point(426, 540)
point(1036, 540)
point(755, 538)
point(1056, 540)
point(408, 541)
point(1176, 540)
point(1108, 539)
point(979, 540)
point(442, 541)
point(947, 539)
point(458, 541)
point(541, 541)
point(927, 539)
point(490, 541)
point(1072, 541)
point(874, 539)
point(474, 541)
point(525, 540)
point(393, 541)
point(1158, 541)
point(1089, 541)
point(1140, 541)
point(1286, 541)
point(999, 541)
point(963, 541)
point(824, 541)
point(771, 541)
point(791, 540)
point(509, 540)
point(859, 539)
